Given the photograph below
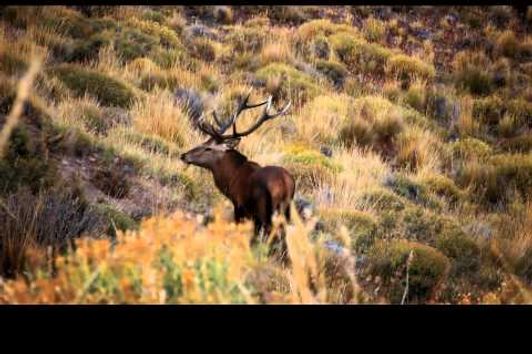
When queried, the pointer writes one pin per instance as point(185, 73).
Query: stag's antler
point(242, 106)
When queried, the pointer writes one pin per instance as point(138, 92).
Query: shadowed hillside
point(409, 137)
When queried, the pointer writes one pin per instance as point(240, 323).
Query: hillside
point(409, 137)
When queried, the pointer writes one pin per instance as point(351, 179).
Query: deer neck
point(228, 171)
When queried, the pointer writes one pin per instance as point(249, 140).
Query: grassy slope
point(426, 115)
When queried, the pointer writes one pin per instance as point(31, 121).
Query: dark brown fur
point(256, 192)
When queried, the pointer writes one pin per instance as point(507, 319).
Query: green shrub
point(359, 55)
point(475, 80)
point(116, 219)
point(109, 91)
point(444, 187)
point(488, 110)
point(412, 191)
point(93, 118)
point(25, 163)
point(508, 126)
point(404, 66)
point(73, 25)
point(415, 97)
point(441, 106)
point(88, 49)
point(323, 27)
point(133, 43)
point(293, 82)
point(470, 72)
point(334, 71)
point(362, 226)
point(421, 225)
point(309, 167)
point(357, 132)
point(165, 37)
point(167, 58)
point(460, 249)
point(470, 149)
point(427, 270)
point(382, 199)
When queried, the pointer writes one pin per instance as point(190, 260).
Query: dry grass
point(160, 115)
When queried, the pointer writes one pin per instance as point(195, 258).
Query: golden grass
point(160, 115)
point(276, 51)
point(362, 171)
point(324, 111)
point(466, 124)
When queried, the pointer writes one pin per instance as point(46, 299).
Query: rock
point(327, 151)
point(334, 246)
point(499, 80)
point(440, 108)
point(305, 208)
point(198, 30)
point(423, 34)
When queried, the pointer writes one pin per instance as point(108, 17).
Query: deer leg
point(287, 213)
point(239, 214)
point(258, 230)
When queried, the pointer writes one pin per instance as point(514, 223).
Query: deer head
point(211, 151)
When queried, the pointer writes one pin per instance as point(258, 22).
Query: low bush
point(427, 269)
point(109, 91)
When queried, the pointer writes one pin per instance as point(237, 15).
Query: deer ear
point(232, 142)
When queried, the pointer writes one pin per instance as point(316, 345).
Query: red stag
point(256, 192)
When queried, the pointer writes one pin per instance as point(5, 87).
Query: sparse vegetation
point(409, 137)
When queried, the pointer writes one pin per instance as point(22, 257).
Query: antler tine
point(216, 119)
point(265, 117)
point(242, 106)
point(207, 128)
